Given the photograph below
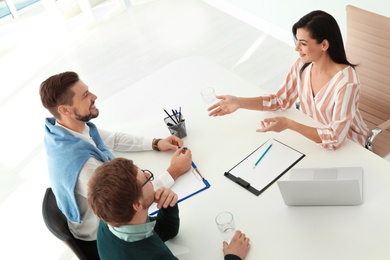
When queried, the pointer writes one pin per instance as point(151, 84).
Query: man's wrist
point(155, 144)
point(173, 172)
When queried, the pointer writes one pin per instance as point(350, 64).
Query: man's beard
point(85, 118)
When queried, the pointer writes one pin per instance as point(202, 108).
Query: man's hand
point(239, 245)
point(180, 163)
point(165, 197)
point(169, 143)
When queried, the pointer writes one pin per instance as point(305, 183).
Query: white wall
point(276, 17)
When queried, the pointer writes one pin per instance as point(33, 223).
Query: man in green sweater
point(120, 194)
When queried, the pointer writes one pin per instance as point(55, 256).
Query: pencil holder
point(176, 125)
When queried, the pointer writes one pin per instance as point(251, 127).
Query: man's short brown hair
point(112, 191)
point(56, 91)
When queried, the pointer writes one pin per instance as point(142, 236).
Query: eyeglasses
point(149, 178)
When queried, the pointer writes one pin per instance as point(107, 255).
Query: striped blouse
point(335, 105)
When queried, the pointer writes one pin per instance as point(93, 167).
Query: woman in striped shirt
point(322, 79)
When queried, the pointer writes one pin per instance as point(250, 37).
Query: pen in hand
point(261, 157)
point(194, 166)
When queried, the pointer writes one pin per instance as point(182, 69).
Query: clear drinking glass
point(226, 226)
point(208, 95)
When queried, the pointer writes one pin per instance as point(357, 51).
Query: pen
point(196, 169)
point(170, 116)
point(261, 157)
point(175, 114)
point(179, 114)
point(194, 166)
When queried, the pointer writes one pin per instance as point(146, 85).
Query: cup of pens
point(176, 123)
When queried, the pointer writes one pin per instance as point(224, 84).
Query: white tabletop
point(276, 231)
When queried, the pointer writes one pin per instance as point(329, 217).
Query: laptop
point(342, 186)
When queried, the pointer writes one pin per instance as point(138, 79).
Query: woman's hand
point(275, 124)
point(227, 105)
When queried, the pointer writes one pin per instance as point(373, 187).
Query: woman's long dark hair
point(321, 26)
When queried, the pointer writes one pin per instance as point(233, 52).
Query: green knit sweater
point(167, 226)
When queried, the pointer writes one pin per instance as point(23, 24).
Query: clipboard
point(186, 186)
point(276, 161)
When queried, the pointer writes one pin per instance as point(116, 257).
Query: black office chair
point(57, 224)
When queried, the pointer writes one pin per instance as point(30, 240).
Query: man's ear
point(63, 110)
point(137, 206)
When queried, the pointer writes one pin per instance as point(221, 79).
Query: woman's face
point(308, 48)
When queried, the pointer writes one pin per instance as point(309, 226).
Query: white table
point(217, 144)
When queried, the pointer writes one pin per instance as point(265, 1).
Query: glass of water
point(208, 95)
point(226, 226)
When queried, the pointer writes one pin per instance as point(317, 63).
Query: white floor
point(112, 53)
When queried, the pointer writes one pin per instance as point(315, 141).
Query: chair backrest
point(368, 46)
point(56, 222)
